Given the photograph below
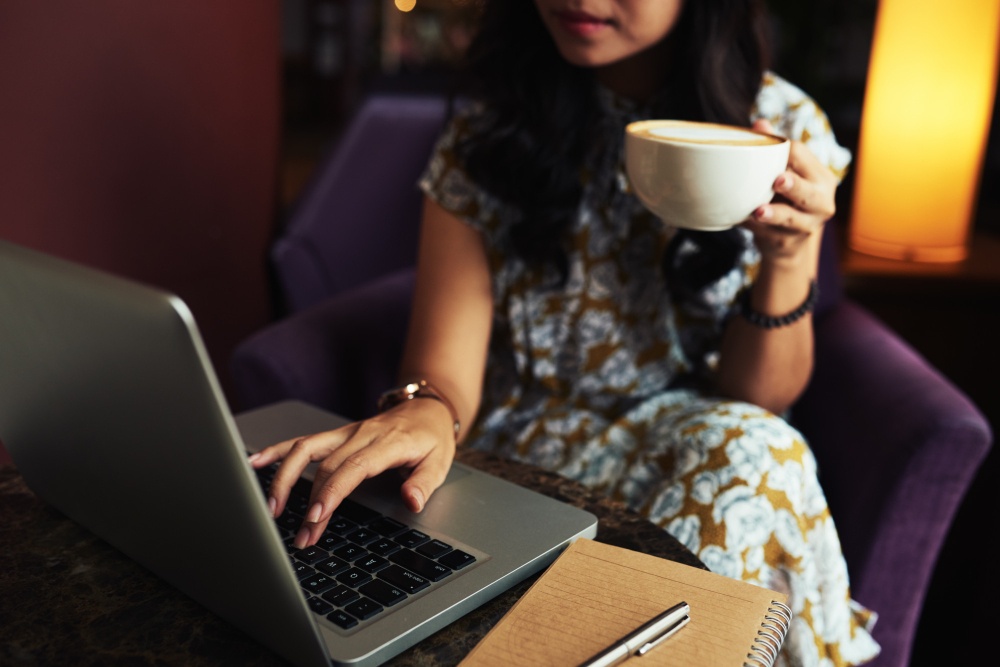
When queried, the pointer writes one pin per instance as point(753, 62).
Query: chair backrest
point(831, 289)
point(358, 220)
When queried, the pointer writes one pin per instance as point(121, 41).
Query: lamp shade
point(928, 102)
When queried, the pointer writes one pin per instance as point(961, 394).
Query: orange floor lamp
point(928, 104)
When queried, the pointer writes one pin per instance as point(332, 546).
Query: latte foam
point(700, 133)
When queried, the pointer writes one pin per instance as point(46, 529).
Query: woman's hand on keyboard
point(415, 435)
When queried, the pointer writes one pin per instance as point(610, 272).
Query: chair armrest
point(897, 446)
point(340, 354)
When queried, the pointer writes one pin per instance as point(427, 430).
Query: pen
point(640, 641)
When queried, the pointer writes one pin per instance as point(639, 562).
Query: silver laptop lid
point(111, 410)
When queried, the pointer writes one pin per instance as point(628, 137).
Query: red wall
point(141, 138)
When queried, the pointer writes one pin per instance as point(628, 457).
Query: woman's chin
point(587, 56)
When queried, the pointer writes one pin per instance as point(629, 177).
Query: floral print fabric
point(607, 380)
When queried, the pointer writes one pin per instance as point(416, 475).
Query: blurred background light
point(927, 110)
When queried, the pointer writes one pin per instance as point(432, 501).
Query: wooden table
point(67, 597)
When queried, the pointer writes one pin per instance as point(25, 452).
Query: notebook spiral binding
point(770, 636)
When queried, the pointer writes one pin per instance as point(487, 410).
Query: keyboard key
point(289, 521)
point(264, 476)
point(311, 555)
point(363, 536)
point(456, 560)
point(411, 539)
point(297, 505)
point(302, 570)
point(387, 527)
point(318, 606)
point(355, 512)
point(400, 578)
point(372, 564)
point(284, 533)
point(318, 583)
point(383, 547)
point(302, 488)
point(290, 546)
point(422, 566)
point(354, 577)
point(350, 552)
point(363, 609)
point(332, 566)
point(340, 596)
point(329, 541)
point(383, 593)
point(341, 526)
point(343, 620)
point(433, 549)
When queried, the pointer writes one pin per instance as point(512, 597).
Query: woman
point(591, 338)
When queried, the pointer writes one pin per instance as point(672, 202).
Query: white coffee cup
point(702, 176)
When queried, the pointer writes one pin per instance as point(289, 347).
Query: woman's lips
point(580, 23)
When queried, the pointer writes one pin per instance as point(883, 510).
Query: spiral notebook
point(594, 594)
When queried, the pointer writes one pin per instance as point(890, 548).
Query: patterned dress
point(608, 381)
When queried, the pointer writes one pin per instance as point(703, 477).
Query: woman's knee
point(741, 441)
point(713, 445)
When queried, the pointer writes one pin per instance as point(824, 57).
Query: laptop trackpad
point(390, 481)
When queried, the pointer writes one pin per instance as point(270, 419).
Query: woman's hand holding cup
point(789, 228)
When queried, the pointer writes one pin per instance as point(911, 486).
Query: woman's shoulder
point(797, 116)
point(456, 129)
point(446, 181)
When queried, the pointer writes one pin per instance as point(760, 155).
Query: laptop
point(110, 409)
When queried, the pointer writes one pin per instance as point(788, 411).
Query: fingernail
point(302, 537)
point(418, 499)
point(272, 505)
point(764, 213)
point(254, 457)
point(782, 182)
point(315, 513)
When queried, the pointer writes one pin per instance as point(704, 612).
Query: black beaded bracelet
point(768, 322)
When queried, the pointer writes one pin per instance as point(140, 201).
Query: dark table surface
point(67, 597)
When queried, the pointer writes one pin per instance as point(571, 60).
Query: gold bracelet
point(419, 389)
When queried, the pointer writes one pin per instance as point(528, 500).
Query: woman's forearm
point(771, 367)
point(452, 313)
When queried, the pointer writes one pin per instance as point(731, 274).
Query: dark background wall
point(142, 138)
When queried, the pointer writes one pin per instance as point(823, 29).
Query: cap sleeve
point(797, 116)
point(446, 182)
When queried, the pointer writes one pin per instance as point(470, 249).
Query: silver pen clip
point(641, 640)
point(667, 634)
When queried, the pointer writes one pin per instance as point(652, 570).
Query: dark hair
point(528, 146)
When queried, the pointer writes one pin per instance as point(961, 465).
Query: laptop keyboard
point(364, 562)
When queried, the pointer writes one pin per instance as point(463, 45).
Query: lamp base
point(907, 253)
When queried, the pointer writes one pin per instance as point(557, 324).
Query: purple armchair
point(897, 443)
